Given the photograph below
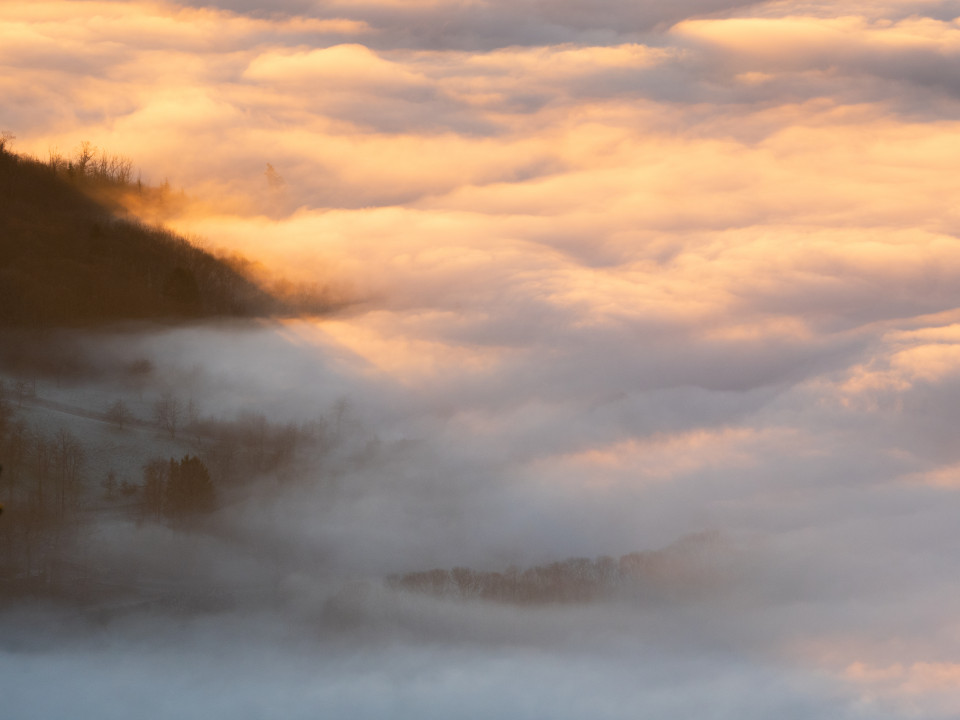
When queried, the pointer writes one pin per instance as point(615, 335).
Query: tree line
point(88, 163)
point(574, 580)
point(52, 494)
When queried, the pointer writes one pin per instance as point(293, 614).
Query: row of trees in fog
point(177, 488)
point(52, 492)
point(568, 581)
point(249, 440)
point(41, 484)
point(88, 162)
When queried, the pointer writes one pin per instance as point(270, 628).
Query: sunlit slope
point(67, 260)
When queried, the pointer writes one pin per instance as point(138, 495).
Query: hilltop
point(67, 258)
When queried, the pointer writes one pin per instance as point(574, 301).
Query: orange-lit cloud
point(682, 177)
point(919, 687)
point(662, 458)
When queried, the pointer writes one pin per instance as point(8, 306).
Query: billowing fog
point(636, 396)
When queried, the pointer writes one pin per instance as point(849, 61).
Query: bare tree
point(121, 169)
point(84, 155)
point(57, 162)
point(110, 168)
point(167, 411)
point(23, 390)
point(118, 413)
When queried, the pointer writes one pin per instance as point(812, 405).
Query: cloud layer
point(619, 272)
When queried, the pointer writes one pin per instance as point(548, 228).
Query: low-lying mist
point(787, 545)
point(632, 391)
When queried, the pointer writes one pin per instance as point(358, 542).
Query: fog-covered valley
point(550, 359)
point(299, 591)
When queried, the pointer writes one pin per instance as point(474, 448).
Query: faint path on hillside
point(61, 407)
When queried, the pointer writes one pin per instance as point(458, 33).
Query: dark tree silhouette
point(118, 413)
point(154, 488)
point(69, 257)
point(189, 488)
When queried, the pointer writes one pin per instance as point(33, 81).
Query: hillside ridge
point(67, 259)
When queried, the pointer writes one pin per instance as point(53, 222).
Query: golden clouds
point(793, 40)
point(547, 65)
point(670, 457)
point(394, 346)
point(716, 178)
point(906, 360)
point(159, 25)
point(613, 183)
point(341, 67)
point(775, 39)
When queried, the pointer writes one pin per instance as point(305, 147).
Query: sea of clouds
point(612, 274)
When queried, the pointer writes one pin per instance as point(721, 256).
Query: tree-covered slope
point(67, 260)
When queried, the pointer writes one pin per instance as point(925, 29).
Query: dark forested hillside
point(67, 260)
